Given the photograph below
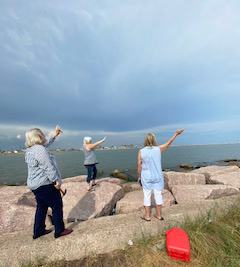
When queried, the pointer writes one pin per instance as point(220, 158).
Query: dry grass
point(214, 241)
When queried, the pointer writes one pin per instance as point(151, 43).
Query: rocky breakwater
point(226, 175)
point(18, 205)
point(221, 181)
point(192, 187)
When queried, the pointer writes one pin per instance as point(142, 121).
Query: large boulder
point(17, 208)
point(179, 178)
point(195, 193)
point(131, 186)
point(80, 204)
point(215, 170)
point(82, 178)
point(117, 181)
point(75, 179)
point(134, 201)
point(18, 204)
point(232, 178)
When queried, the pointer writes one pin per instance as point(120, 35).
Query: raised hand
point(179, 131)
point(58, 130)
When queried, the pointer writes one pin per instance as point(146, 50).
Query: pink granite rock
point(215, 170)
point(231, 178)
point(180, 178)
point(80, 204)
point(134, 201)
point(195, 193)
point(17, 208)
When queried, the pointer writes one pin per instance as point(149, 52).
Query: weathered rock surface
point(82, 178)
point(17, 208)
point(132, 186)
point(80, 204)
point(101, 235)
point(75, 179)
point(18, 204)
point(232, 178)
point(117, 181)
point(215, 170)
point(179, 178)
point(134, 201)
point(196, 193)
point(234, 163)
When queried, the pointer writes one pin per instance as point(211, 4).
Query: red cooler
point(177, 244)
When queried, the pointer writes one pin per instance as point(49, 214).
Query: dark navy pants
point(48, 196)
point(92, 172)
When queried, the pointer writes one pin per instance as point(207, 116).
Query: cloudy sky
point(120, 69)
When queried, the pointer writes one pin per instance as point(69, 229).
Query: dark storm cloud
point(118, 66)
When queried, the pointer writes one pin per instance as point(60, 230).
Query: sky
point(120, 69)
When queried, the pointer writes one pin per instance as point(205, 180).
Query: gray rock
point(196, 193)
point(179, 178)
point(80, 204)
point(134, 201)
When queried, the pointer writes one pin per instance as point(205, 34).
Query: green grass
point(214, 241)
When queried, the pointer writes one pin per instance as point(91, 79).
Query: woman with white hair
point(90, 160)
point(44, 179)
point(150, 172)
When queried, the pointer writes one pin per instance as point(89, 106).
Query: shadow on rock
point(84, 209)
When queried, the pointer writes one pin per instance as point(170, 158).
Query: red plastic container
point(177, 244)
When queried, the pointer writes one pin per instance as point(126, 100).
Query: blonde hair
point(87, 140)
point(34, 137)
point(150, 140)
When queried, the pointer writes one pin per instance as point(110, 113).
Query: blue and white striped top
point(42, 166)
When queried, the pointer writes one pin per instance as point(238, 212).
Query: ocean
point(13, 169)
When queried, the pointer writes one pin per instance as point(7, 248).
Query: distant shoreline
point(122, 147)
point(22, 151)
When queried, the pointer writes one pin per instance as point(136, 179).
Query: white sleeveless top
point(151, 173)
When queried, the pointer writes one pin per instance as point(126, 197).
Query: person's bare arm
point(139, 166)
point(91, 146)
point(52, 136)
point(166, 145)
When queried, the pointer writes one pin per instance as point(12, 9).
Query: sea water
point(13, 168)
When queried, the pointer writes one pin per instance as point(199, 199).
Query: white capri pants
point(147, 197)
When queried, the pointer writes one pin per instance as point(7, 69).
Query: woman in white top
point(150, 172)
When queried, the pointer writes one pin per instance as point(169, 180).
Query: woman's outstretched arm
point(51, 139)
point(166, 145)
point(91, 146)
